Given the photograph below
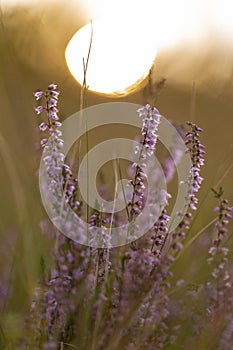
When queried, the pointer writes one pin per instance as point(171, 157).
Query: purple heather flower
point(57, 124)
point(52, 114)
point(60, 156)
point(43, 142)
point(55, 94)
point(70, 189)
point(58, 133)
point(67, 172)
point(39, 109)
point(43, 126)
point(59, 142)
point(52, 102)
point(52, 87)
point(53, 109)
point(143, 111)
point(38, 95)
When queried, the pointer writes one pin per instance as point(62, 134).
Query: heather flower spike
point(54, 156)
point(196, 152)
point(151, 119)
point(220, 284)
point(224, 214)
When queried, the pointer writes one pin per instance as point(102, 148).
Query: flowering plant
point(131, 296)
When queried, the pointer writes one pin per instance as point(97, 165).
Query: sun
point(128, 34)
point(120, 57)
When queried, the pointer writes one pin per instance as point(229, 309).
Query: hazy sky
point(197, 13)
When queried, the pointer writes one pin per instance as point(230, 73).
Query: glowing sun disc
point(120, 57)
